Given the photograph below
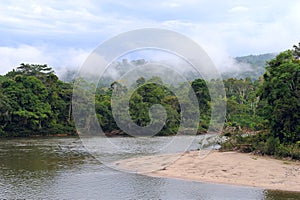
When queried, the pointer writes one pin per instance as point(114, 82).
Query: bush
point(3, 133)
point(271, 145)
point(295, 152)
point(282, 151)
point(261, 144)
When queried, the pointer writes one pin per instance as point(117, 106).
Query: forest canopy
point(33, 101)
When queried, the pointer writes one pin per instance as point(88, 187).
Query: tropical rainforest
point(263, 112)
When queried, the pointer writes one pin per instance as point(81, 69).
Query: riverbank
point(223, 167)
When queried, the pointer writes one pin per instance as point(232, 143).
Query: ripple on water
point(61, 168)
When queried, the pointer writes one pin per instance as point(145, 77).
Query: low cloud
point(60, 59)
point(223, 61)
point(70, 30)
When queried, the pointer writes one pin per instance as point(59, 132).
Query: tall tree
point(281, 91)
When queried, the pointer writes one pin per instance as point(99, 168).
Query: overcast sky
point(63, 33)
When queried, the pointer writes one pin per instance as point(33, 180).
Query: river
point(61, 168)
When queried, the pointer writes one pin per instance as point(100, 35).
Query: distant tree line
point(33, 101)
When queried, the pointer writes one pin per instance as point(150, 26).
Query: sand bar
point(222, 167)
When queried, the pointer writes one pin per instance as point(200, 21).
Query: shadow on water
point(41, 154)
point(32, 163)
point(278, 195)
point(61, 168)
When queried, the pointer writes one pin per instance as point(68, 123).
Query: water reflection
point(33, 164)
point(277, 195)
point(61, 168)
point(48, 155)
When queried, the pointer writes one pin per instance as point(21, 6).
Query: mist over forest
point(252, 66)
point(34, 101)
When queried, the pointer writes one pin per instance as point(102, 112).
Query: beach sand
point(221, 167)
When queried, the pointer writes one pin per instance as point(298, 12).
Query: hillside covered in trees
point(35, 102)
point(251, 66)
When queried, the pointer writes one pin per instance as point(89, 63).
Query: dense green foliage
point(263, 115)
point(242, 104)
point(147, 95)
point(281, 91)
point(34, 102)
point(279, 105)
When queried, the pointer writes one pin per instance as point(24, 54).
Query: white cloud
point(171, 4)
point(12, 57)
point(223, 61)
point(59, 59)
point(71, 28)
point(238, 9)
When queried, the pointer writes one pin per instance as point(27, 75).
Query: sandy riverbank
point(222, 167)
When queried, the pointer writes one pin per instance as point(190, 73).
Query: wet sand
point(220, 167)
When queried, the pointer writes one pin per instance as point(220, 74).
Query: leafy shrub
point(271, 146)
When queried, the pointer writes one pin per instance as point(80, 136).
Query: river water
point(61, 168)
